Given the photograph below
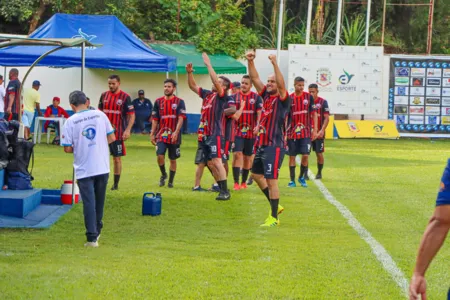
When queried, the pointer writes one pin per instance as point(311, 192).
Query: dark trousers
point(139, 124)
point(93, 192)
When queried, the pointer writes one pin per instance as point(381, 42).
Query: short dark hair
point(313, 86)
point(299, 79)
point(172, 81)
point(114, 76)
point(14, 71)
point(227, 82)
point(1, 77)
point(77, 98)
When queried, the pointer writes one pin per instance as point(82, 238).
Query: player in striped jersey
point(247, 125)
point(299, 130)
point(323, 117)
point(271, 147)
point(213, 107)
point(119, 109)
point(168, 115)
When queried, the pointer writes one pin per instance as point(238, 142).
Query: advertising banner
point(350, 129)
point(419, 94)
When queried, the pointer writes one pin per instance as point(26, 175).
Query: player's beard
point(168, 94)
point(113, 90)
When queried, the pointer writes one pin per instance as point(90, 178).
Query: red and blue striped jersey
point(116, 106)
point(299, 118)
point(247, 122)
point(167, 112)
point(274, 113)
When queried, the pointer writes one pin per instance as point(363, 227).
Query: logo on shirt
point(89, 132)
point(305, 102)
point(119, 102)
point(244, 129)
point(174, 106)
point(318, 106)
point(252, 101)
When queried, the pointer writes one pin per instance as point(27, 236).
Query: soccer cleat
point(250, 181)
point(215, 188)
point(236, 187)
point(292, 184)
point(270, 222)
point(162, 180)
point(223, 196)
point(243, 186)
point(302, 182)
point(170, 185)
point(114, 188)
point(198, 189)
point(98, 237)
point(91, 244)
point(319, 176)
point(280, 211)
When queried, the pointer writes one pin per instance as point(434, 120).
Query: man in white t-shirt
point(87, 134)
point(2, 98)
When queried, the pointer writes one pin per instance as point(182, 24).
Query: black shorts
point(268, 161)
point(200, 155)
point(226, 150)
point(243, 145)
point(212, 147)
point(300, 146)
point(174, 150)
point(117, 148)
point(319, 146)
point(11, 117)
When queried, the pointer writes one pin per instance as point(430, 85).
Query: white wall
point(60, 82)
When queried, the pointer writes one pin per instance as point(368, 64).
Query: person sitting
point(143, 110)
point(88, 103)
point(54, 111)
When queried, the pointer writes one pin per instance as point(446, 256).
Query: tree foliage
point(231, 26)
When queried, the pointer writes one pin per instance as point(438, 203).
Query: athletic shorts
point(27, 118)
point(443, 197)
point(174, 150)
point(300, 146)
point(117, 148)
point(268, 161)
point(226, 150)
point(199, 155)
point(243, 145)
point(318, 146)
point(10, 117)
point(212, 147)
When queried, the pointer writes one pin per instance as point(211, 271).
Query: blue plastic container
point(151, 204)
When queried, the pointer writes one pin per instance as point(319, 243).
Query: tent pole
point(83, 65)
point(280, 29)
point(167, 75)
point(308, 25)
point(369, 3)
point(4, 77)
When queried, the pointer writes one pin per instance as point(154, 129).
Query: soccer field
point(200, 248)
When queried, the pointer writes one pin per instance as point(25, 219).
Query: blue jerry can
point(151, 204)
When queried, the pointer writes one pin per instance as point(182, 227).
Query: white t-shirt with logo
point(86, 131)
point(2, 98)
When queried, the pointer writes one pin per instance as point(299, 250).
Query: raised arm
point(191, 81)
point(259, 85)
point(278, 77)
point(212, 74)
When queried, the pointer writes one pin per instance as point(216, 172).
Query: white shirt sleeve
point(108, 126)
point(67, 138)
point(2, 92)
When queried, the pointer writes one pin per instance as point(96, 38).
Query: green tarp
point(222, 64)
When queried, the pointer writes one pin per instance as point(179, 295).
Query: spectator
point(31, 100)
point(2, 98)
point(12, 97)
point(236, 87)
point(143, 110)
point(55, 111)
point(88, 103)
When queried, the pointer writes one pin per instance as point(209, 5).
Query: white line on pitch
point(380, 252)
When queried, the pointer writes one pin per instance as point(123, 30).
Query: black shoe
point(223, 196)
point(170, 185)
point(162, 180)
point(250, 181)
point(114, 188)
point(214, 188)
point(319, 176)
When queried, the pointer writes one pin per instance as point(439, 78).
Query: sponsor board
point(434, 72)
point(446, 111)
point(431, 91)
point(401, 109)
point(401, 91)
point(416, 110)
point(432, 120)
point(433, 82)
point(432, 111)
point(417, 91)
point(401, 100)
point(417, 81)
point(433, 101)
point(416, 101)
point(416, 119)
point(367, 129)
point(418, 72)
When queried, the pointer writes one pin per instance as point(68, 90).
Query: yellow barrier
point(366, 129)
point(330, 129)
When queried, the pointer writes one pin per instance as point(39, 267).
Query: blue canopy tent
point(121, 50)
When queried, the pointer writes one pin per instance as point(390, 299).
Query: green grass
point(200, 248)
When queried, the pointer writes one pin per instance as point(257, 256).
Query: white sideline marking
point(381, 254)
